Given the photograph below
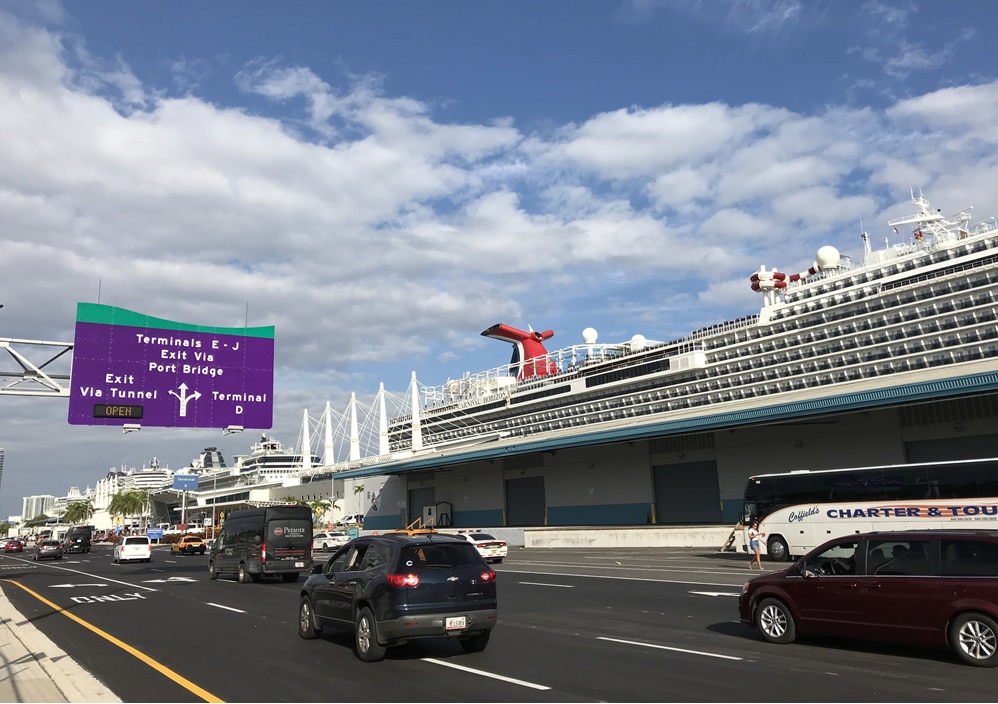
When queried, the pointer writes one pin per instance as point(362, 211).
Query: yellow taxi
point(188, 545)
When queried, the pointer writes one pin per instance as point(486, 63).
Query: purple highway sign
point(132, 368)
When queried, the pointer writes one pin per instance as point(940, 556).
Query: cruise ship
point(270, 461)
point(910, 312)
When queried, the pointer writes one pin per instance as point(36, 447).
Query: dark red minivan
point(933, 587)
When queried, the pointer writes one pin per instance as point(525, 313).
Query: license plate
point(455, 622)
point(299, 564)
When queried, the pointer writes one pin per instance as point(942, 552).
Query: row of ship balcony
point(830, 370)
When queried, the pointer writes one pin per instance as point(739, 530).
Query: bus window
point(857, 486)
point(904, 484)
point(802, 489)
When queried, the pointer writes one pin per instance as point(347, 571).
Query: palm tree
point(319, 507)
point(129, 503)
point(78, 512)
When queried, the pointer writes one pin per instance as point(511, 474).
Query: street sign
point(185, 482)
point(133, 368)
point(154, 533)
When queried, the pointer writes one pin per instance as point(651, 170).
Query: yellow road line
point(162, 669)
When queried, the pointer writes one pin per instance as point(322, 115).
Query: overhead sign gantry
point(48, 378)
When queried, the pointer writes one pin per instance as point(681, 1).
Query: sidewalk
point(33, 669)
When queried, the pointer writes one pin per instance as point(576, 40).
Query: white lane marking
point(716, 593)
point(483, 673)
point(666, 647)
point(77, 585)
point(626, 579)
point(170, 579)
point(546, 584)
point(109, 579)
point(227, 608)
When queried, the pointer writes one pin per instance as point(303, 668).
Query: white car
point(132, 547)
point(329, 541)
point(489, 546)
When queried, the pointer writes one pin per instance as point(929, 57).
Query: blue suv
point(390, 588)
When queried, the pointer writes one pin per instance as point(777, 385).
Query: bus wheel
point(777, 549)
point(774, 621)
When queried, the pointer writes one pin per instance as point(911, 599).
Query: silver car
point(47, 548)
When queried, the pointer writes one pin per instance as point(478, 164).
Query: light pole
point(214, 502)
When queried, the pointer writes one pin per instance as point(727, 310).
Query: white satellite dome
point(589, 336)
point(827, 257)
point(638, 343)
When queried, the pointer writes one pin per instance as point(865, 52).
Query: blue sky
point(384, 180)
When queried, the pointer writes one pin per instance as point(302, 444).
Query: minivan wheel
point(774, 621)
point(974, 638)
point(306, 621)
point(476, 643)
point(777, 549)
point(366, 637)
point(242, 576)
point(212, 574)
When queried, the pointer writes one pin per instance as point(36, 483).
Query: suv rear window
point(442, 555)
point(136, 541)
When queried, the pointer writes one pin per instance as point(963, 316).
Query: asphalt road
point(648, 625)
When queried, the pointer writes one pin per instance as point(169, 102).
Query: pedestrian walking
point(755, 545)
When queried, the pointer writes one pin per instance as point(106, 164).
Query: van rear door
point(289, 543)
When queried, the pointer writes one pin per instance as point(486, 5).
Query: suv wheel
point(974, 638)
point(366, 637)
point(774, 621)
point(242, 576)
point(306, 621)
point(476, 643)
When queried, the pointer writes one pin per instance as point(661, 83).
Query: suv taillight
point(263, 552)
point(488, 576)
point(400, 581)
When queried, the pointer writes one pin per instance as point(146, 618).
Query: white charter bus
point(800, 510)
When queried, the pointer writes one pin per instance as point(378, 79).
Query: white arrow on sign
point(716, 593)
point(77, 585)
point(169, 579)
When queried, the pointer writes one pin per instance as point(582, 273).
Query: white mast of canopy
point(382, 422)
point(327, 426)
point(354, 433)
point(306, 448)
point(417, 435)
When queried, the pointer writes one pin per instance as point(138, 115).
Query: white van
point(133, 547)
